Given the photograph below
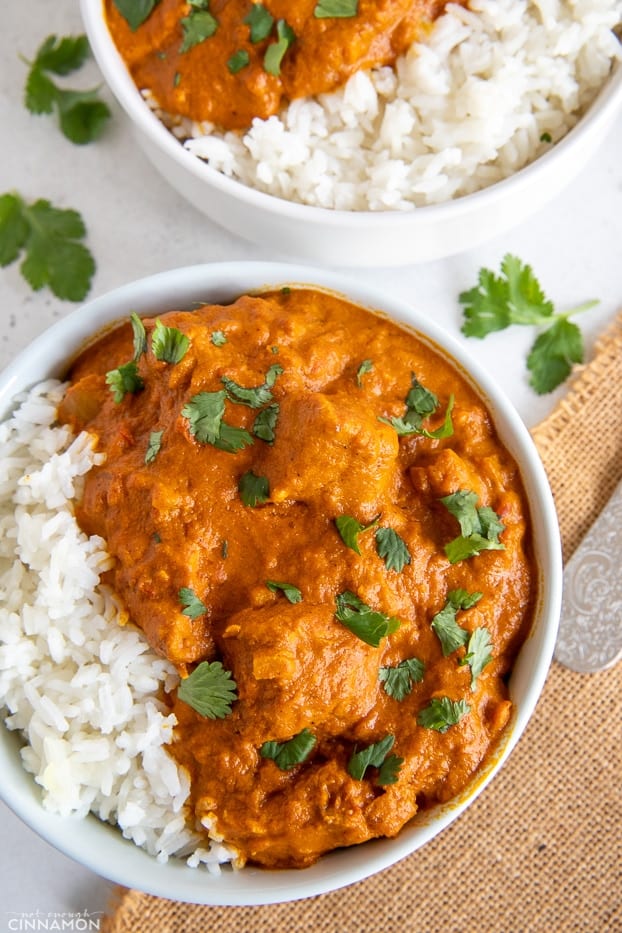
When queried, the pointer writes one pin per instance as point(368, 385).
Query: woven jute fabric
point(540, 851)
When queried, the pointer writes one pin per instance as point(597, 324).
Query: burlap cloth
point(541, 848)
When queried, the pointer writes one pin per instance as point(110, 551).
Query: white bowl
point(103, 849)
point(351, 238)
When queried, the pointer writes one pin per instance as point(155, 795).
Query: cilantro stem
point(586, 306)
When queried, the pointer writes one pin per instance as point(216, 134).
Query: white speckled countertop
point(137, 226)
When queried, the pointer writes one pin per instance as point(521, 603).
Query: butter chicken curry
point(312, 517)
point(228, 61)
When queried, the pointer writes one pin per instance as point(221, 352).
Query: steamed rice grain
point(76, 681)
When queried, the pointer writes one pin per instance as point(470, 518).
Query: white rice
point(76, 681)
point(490, 91)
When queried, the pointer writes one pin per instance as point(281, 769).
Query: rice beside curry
point(309, 515)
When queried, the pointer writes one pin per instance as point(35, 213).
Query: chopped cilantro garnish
point(477, 653)
point(82, 116)
point(265, 423)
point(441, 713)
point(49, 236)
point(256, 396)
point(286, 755)
point(218, 338)
point(363, 621)
point(135, 12)
point(398, 681)
point(204, 413)
point(338, 9)
point(420, 405)
point(124, 380)
point(451, 635)
point(365, 367)
point(372, 757)
point(198, 26)
point(168, 343)
point(140, 335)
point(210, 690)
point(392, 549)
point(349, 529)
point(291, 592)
point(153, 448)
point(480, 527)
point(260, 22)
point(254, 490)
point(192, 605)
point(276, 50)
point(238, 61)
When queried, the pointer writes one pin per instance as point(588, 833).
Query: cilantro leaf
point(389, 770)
point(254, 490)
point(265, 423)
point(365, 367)
point(516, 297)
point(420, 405)
point(291, 592)
point(239, 60)
point(392, 549)
point(124, 380)
point(371, 757)
point(363, 621)
point(276, 50)
point(286, 755)
point(477, 653)
point(480, 527)
point(256, 396)
point(135, 12)
point(82, 116)
point(204, 413)
point(198, 26)
point(260, 22)
point(552, 355)
point(168, 343)
point(209, 689)
point(398, 681)
point(218, 338)
point(349, 529)
point(232, 439)
point(451, 635)
point(442, 713)
point(326, 9)
point(192, 605)
point(49, 236)
point(153, 448)
point(139, 335)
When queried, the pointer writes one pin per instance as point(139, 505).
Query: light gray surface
point(137, 225)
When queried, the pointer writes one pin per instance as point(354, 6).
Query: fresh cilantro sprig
point(399, 681)
point(516, 297)
point(204, 414)
point(366, 623)
point(480, 527)
point(50, 237)
point(420, 405)
point(168, 343)
point(286, 755)
point(441, 713)
point(376, 756)
point(82, 116)
point(209, 689)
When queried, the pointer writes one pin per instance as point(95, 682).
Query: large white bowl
point(351, 238)
point(98, 846)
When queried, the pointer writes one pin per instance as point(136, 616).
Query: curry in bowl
point(307, 512)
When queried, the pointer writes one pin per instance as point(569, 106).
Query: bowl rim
point(112, 66)
point(100, 847)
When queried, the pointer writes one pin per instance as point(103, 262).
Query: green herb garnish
point(291, 592)
point(450, 634)
point(276, 50)
point(210, 690)
point(192, 605)
point(239, 60)
point(392, 549)
point(198, 26)
point(124, 380)
point(260, 22)
point(168, 344)
point(337, 9)
point(441, 713)
point(287, 755)
point(516, 297)
point(204, 413)
point(256, 396)
point(81, 114)
point(135, 12)
point(363, 621)
point(153, 448)
point(218, 338)
point(265, 423)
point(254, 490)
point(349, 529)
point(477, 653)
point(398, 681)
point(420, 405)
point(365, 367)
point(375, 756)
point(49, 236)
point(140, 335)
point(480, 527)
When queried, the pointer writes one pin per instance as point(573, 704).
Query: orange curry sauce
point(179, 521)
point(226, 79)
